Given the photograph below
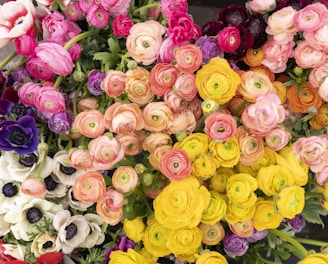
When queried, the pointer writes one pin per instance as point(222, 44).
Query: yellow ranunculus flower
point(211, 257)
point(265, 216)
point(149, 257)
point(317, 258)
point(194, 144)
point(185, 257)
point(185, 241)
point(134, 229)
point(204, 166)
point(240, 189)
point(216, 80)
point(227, 152)
point(155, 239)
point(273, 178)
point(299, 169)
point(219, 179)
point(291, 201)
point(181, 204)
point(281, 91)
point(236, 213)
point(216, 210)
point(129, 257)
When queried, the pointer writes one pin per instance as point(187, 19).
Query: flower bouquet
point(130, 134)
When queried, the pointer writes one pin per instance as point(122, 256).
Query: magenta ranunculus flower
point(25, 45)
point(229, 39)
point(49, 100)
point(121, 26)
point(98, 16)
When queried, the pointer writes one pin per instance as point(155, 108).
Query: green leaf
point(312, 214)
point(104, 57)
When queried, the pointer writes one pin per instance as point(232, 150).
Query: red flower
point(50, 258)
point(16, 262)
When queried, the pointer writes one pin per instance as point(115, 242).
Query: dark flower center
point(46, 245)
point(33, 215)
point(67, 170)
point(19, 137)
point(28, 160)
point(9, 189)
point(51, 184)
point(71, 231)
point(18, 110)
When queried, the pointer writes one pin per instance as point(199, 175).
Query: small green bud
point(140, 168)
point(298, 71)
point(209, 106)
point(147, 179)
point(132, 64)
point(79, 76)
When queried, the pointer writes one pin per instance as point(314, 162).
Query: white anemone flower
point(62, 169)
point(4, 226)
point(16, 251)
point(25, 216)
point(76, 204)
point(96, 236)
point(9, 195)
point(72, 230)
point(44, 243)
point(54, 188)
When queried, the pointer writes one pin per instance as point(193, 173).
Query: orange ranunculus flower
point(309, 97)
point(162, 78)
point(156, 155)
point(114, 83)
point(132, 142)
point(90, 123)
point(243, 228)
point(111, 217)
point(254, 57)
point(216, 80)
point(212, 233)
point(125, 179)
point(265, 70)
point(80, 159)
point(154, 140)
point(87, 104)
point(188, 58)
point(321, 118)
point(157, 116)
point(89, 187)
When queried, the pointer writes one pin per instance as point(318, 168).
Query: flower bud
point(147, 179)
point(209, 106)
point(132, 64)
point(298, 71)
point(140, 168)
point(33, 186)
point(79, 76)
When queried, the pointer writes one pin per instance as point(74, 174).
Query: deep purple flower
point(256, 26)
point(2, 82)
point(20, 136)
point(10, 94)
point(211, 28)
point(123, 244)
point(296, 4)
point(94, 81)
point(20, 75)
point(60, 122)
point(209, 48)
point(234, 245)
point(257, 235)
point(297, 223)
point(18, 110)
point(233, 15)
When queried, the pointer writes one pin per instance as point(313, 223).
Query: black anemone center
point(51, 184)
point(71, 231)
point(46, 245)
point(19, 137)
point(67, 170)
point(28, 160)
point(9, 189)
point(18, 110)
point(33, 215)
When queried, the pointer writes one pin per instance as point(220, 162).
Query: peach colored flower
point(264, 115)
point(111, 217)
point(253, 84)
point(90, 123)
point(125, 179)
point(281, 26)
point(185, 86)
point(123, 118)
point(162, 78)
point(308, 57)
point(243, 228)
point(144, 41)
point(114, 83)
point(154, 140)
point(86, 104)
point(33, 186)
point(311, 17)
point(138, 86)
point(175, 101)
point(318, 74)
point(131, 142)
point(313, 151)
point(89, 187)
point(318, 39)
point(277, 138)
point(262, 6)
point(220, 126)
point(323, 89)
point(251, 148)
point(196, 107)
point(321, 177)
point(79, 158)
point(156, 155)
point(188, 57)
point(105, 152)
point(157, 116)
point(113, 199)
point(175, 164)
point(183, 121)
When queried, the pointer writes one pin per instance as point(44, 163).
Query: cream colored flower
point(75, 204)
point(17, 251)
point(96, 236)
point(44, 243)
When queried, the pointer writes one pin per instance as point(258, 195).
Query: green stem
point(311, 242)
point(79, 37)
point(58, 81)
point(238, 109)
point(264, 260)
point(298, 246)
point(295, 135)
point(149, 6)
point(8, 59)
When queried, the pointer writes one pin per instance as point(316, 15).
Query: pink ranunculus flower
point(125, 179)
point(228, 39)
point(264, 115)
point(183, 121)
point(55, 57)
point(39, 69)
point(174, 101)
point(277, 54)
point(168, 6)
point(262, 6)
point(26, 93)
point(311, 17)
point(121, 26)
point(48, 100)
point(25, 45)
point(113, 199)
point(120, 7)
point(114, 83)
point(318, 38)
point(85, 5)
point(105, 152)
point(323, 89)
point(79, 158)
point(313, 151)
point(73, 12)
point(16, 19)
point(188, 58)
point(144, 41)
point(90, 123)
point(166, 51)
point(281, 26)
point(175, 164)
point(132, 142)
point(220, 126)
point(321, 177)
point(308, 57)
point(185, 86)
point(318, 74)
point(162, 78)
point(277, 138)
point(98, 16)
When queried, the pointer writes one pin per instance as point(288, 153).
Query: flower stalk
point(8, 59)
